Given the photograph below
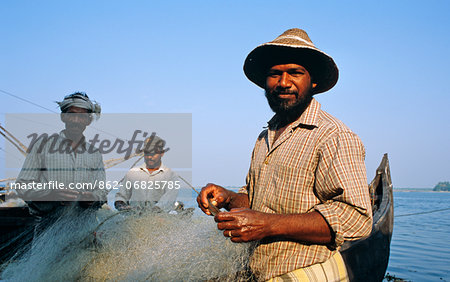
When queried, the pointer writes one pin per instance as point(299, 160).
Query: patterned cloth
point(316, 164)
point(54, 160)
point(148, 195)
point(332, 270)
point(80, 100)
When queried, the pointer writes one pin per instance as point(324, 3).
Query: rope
point(417, 213)
point(189, 184)
point(25, 100)
point(52, 111)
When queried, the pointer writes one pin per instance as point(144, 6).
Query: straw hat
point(293, 46)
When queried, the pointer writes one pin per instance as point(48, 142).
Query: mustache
point(284, 92)
point(74, 125)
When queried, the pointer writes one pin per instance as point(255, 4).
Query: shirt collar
point(309, 118)
point(162, 168)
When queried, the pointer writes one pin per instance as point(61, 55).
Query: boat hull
point(367, 259)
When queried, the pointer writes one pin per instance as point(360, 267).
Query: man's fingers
point(212, 198)
point(200, 205)
point(69, 192)
point(224, 225)
point(67, 195)
point(87, 196)
point(235, 235)
point(236, 210)
point(231, 215)
point(224, 216)
point(210, 191)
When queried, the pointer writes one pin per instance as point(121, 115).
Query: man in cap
point(306, 190)
point(151, 186)
point(63, 171)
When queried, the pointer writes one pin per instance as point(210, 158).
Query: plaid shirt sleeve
point(31, 172)
point(341, 186)
point(100, 177)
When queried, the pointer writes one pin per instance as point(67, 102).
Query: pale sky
point(187, 57)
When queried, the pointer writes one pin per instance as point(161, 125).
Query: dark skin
point(289, 85)
point(75, 123)
point(153, 161)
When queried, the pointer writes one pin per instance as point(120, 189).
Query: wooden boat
point(367, 259)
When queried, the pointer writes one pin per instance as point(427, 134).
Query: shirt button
point(266, 161)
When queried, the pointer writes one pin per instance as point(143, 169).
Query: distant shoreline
point(417, 190)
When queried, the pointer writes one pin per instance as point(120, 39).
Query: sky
point(187, 57)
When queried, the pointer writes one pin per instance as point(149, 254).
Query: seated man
point(152, 185)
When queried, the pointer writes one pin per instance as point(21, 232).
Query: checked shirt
point(316, 164)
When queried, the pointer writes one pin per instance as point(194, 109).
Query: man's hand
point(87, 197)
point(244, 225)
point(121, 206)
point(218, 196)
point(65, 195)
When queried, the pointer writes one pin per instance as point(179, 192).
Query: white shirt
point(144, 189)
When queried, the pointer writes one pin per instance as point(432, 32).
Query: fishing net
point(131, 246)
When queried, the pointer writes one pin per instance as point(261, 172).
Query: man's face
point(153, 160)
point(288, 88)
point(76, 119)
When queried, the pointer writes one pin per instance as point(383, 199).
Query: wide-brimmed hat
point(292, 47)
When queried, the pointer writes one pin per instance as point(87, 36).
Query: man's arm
point(244, 225)
point(31, 173)
point(124, 194)
point(101, 193)
point(344, 211)
point(98, 195)
point(341, 186)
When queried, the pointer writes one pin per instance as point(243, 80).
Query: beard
point(153, 163)
point(74, 130)
point(285, 108)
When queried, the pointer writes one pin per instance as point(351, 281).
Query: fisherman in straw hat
point(306, 189)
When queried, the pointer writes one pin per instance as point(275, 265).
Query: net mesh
point(130, 246)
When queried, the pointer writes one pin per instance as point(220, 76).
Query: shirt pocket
point(292, 190)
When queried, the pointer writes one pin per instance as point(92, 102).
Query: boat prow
point(367, 259)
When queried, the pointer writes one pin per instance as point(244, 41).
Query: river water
point(420, 248)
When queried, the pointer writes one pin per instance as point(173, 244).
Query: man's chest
point(282, 174)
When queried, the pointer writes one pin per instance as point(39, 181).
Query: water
point(192, 249)
point(420, 248)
